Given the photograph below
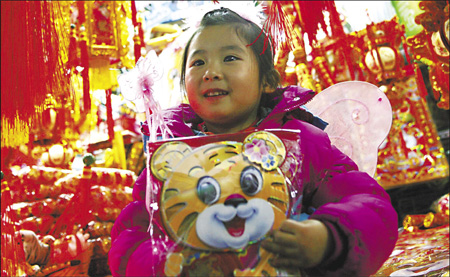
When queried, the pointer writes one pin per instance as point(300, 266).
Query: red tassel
point(137, 44)
point(139, 37)
point(22, 61)
point(31, 64)
point(109, 116)
point(278, 27)
point(85, 75)
point(84, 56)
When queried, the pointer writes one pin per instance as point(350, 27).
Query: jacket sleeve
point(354, 207)
point(134, 252)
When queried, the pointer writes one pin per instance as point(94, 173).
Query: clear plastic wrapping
point(213, 199)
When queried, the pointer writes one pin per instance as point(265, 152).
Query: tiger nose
point(235, 201)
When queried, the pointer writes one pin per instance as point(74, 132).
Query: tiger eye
point(208, 190)
point(251, 180)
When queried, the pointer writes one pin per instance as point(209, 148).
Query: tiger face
point(222, 195)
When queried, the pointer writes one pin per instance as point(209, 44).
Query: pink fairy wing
point(359, 117)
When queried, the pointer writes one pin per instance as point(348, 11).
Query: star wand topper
point(137, 85)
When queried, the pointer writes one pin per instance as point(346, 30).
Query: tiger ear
point(264, 142)
point(166, 157)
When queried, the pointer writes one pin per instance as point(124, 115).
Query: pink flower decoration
point(256, 150)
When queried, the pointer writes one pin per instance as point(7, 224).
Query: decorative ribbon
point(137, 85)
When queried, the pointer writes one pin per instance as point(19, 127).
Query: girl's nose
point(212, 73)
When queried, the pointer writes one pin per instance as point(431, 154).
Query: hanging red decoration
point(109, 116)
point(312, 14)
point(32, 65)
point(278, 27)
point(138, 36)
point(84, 57)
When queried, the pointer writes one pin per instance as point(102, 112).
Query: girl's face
point(222, 80)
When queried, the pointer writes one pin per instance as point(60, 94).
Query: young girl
point(232, 86)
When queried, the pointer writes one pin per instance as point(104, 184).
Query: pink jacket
point(356, 210)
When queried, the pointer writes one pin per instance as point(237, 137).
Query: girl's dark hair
point(247, 30)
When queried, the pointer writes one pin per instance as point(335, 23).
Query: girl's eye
point(198, 63)
point(208, 190)
point(230, 58)
point(251, 180)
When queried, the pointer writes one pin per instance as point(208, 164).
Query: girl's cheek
point(188, 81)
point(191, 87)
point(195, 106)
point(191, 97)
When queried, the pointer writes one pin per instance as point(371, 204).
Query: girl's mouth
point(215, 93)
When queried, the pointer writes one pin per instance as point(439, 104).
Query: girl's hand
point(298, 244)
